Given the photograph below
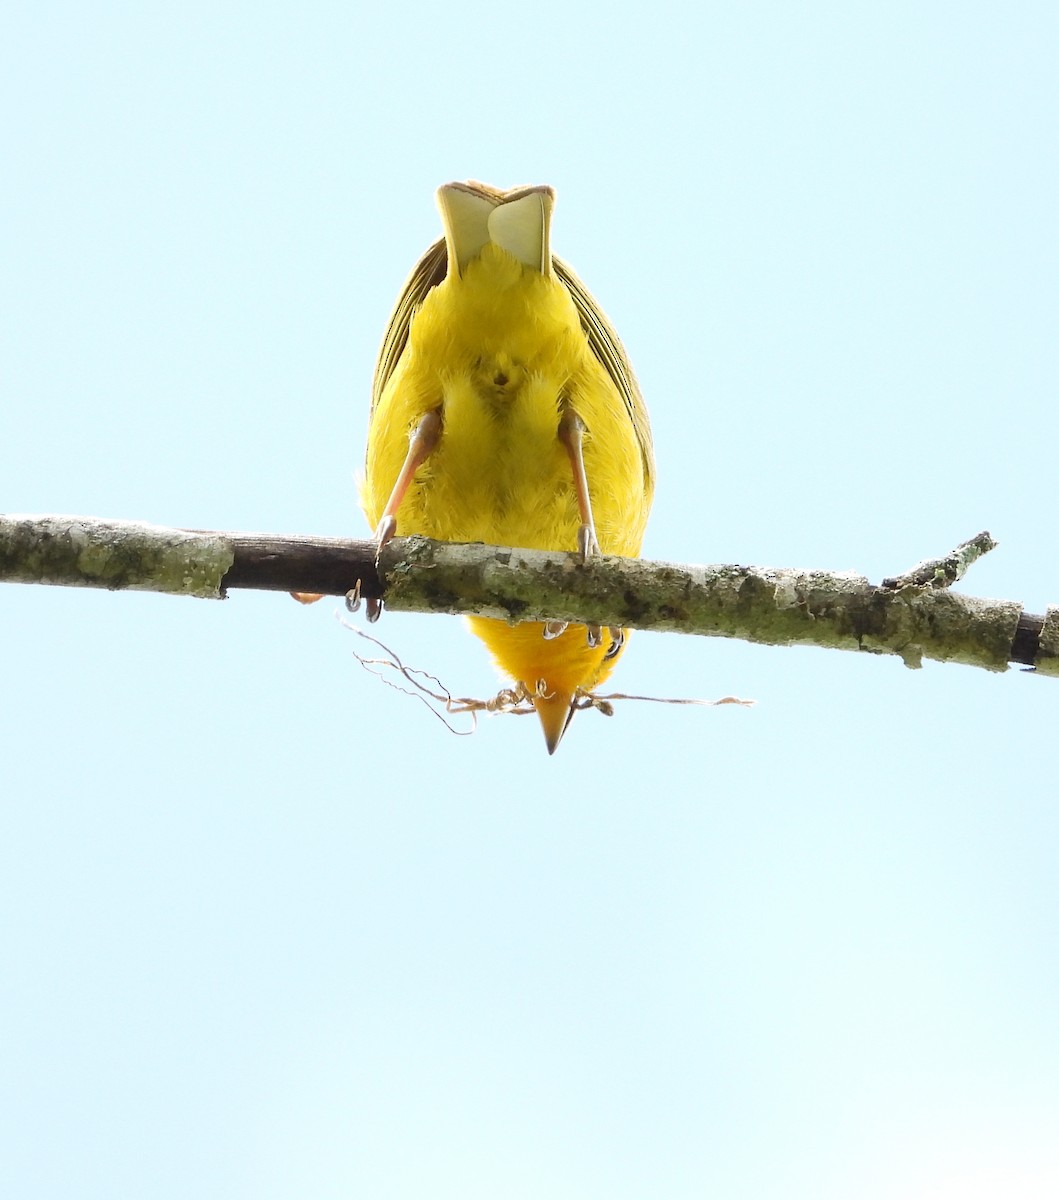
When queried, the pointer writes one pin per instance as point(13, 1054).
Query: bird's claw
point(617, 643)
point(593, 633)
point(384, 531)
point(587, 543)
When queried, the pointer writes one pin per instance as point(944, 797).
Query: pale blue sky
point(266, 929)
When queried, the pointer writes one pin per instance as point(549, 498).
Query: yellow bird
point(504, 410)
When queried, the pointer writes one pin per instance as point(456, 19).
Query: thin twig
point(944, 572)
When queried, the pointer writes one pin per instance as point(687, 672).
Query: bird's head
point(555, 672)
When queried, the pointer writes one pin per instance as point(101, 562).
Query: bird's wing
point(426, 274)
point(606, 346)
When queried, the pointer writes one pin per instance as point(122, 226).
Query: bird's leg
point(572, 436)
point(421, 442)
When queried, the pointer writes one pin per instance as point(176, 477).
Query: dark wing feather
point(426, 274)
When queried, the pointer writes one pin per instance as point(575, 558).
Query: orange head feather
point(555, 672)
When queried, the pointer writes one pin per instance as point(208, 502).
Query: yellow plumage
point(495, 353)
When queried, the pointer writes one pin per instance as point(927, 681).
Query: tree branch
point(912, 615)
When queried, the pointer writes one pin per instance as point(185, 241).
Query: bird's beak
point(556, 711)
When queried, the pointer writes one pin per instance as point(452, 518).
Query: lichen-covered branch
point(944, 572)
point(120, 555)
point(911, 617)
point(757, 604)
point(135, 556)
